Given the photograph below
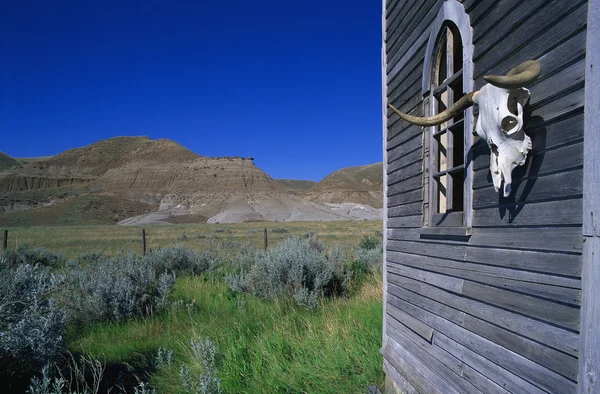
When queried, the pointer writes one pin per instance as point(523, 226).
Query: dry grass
point(76, 240)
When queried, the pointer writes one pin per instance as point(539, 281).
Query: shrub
point(204, 353)
point(279, 230)
point(25, 255)
point(181, 260)
point(372, 259)
point(368, 242)
point(31, 324)
point(295, 267)
point(120, 288)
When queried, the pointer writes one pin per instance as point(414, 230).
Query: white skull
point(500, 120)
point(500, 124)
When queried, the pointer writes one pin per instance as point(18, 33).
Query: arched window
point(448, 148)
point(448, 75)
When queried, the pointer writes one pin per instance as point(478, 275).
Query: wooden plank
point(550, 312)
point(540, 353)
point(499, 375)
point(480, 381)
point(498, 277)
point(558, 362)
point(396, 26)
point(402, 80)
point(405, 198)
point(455, 308)
point(557, 20)
point(415, 325)
point(589, 367)
point(405, 160)
point(399, 135)
point(513, 362)
point(414, 221)
point(406, 185)
point(563, 105)
point(561, 212)
point(384, 130)
point(555, 239)
point(406, 210)
point(495, 263)
point(566, 78)
point(501, 18)
point(417, 20)
point(421, 377)
point(561, 185)
point(410, 338)
point(564, 264)
point(452, 377)
point(454, 285)
point(479, 8)
point(406, 86)
point(395, 382)
point(407, 172)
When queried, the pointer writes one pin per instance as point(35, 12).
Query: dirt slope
point(361, 185)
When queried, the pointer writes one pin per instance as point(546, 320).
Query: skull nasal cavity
point(509, 123)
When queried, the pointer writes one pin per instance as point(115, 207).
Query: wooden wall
point(499, 312)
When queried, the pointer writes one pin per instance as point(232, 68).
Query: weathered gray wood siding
point(499, 312)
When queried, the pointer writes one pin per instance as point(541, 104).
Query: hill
point(136, 180)
point(360, 184)
point(7, 162)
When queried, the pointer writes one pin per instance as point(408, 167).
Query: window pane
point(441, 194)
point(442, 159)
point(442, 104)
point(458, 147)
point(458, 179)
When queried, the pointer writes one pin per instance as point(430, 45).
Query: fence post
point(143, 242)
point(266, 240)
point(5, 240)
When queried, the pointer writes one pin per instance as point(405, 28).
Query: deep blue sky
point(294, 84)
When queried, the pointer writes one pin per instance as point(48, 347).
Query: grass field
point(262, 346)
point(75, 240)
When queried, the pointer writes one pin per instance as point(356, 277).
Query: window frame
point(453, 17)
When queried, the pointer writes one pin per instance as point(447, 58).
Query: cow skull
point(500, 119)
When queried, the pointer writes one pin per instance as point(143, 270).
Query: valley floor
point(253, 344)
point(111, 239)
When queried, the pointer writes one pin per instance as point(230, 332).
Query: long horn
point(465, 102)
point(519, 77)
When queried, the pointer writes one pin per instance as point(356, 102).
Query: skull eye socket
point(509, 123)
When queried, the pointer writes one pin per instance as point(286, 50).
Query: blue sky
point(295, 84)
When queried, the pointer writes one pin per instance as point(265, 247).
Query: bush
point(119, 288)
point(204, 353)
point(25, 255)
point(181, 260)
point(31, 324)
point(295, 267)
point(368, 242)
point(372, 259)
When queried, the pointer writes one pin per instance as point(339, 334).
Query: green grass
point(264, 346)
point(75, 240)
